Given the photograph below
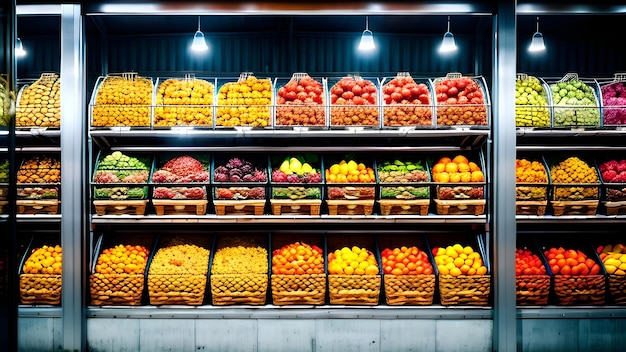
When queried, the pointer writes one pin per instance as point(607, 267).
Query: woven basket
point(617, 289)
point(298, 289)
point(176, 289)
point(409, 289)
point(116, 289)
point(354, 289)
point(464, 289)
point(239, 288)
point(532, 289)
point(580, 289)
point(40, 289)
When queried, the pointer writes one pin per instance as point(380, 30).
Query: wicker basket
point(298, 289)
point(354, 289)
point(464, 289)
point(532, 289)
point(116, 289)
point(238, 288)
point(176, 289)
point(40, 289)
point(617, 289)
point(579, 289)
point(409, 289)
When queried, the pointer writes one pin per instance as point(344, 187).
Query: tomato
point(371, 88)
point(406, 93)
point(441, 97)
point(357, 90)
point(453, 91)
point(337, 90)
point(291, 95)
point(389, 88)
point(416, 91)
point(396, 96)
point(424, 98)
point(358, 100)
point(347, 95)
point(302, 95)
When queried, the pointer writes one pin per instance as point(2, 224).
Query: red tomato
point(302, 95)
point(453, 91)
point(395, 96)
point(347, 95)
point(406, 93)
point(358, 100)
point(337, 90)
point(357, 90)
point(291, 95)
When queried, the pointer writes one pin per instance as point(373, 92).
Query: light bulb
point(199, 43)
point(19, 48)
point(367, 38)
point(447, 43)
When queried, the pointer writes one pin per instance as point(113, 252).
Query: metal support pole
point(504, 154)
point(73, 209)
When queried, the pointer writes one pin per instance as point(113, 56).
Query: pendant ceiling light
point(199, 43)
point(537, 43)
point(19, 48)
point(447, 44)
point(367, 38)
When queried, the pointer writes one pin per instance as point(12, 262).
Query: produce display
point(298, 258)
point(528, 263)
point(44, 260)
point(458, 170)
point(246, 102)
point(239, 170)
point(353, 172)
point(118, 275)
point(39, 104)
point(123, 101)
point(353, 260)
point(181, 169)
point(178, 273)
point(457, 260)
point(405, 261)
point(300, 102)
point(40, 279)
point(119, 168)
point(570, 262)
point(405, 174)
point(460, 101)
point(530, 172)
point(531, 103)
point(575, 103)
point(296, 170)
point(613, 257)
point(407, 103)
point(577, 172)
point(184, 102)
point(614, 103)
point(353, 102)
point(613, 171)
point(39, 170)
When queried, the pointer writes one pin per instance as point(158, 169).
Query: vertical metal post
point(73, 209)
point(503, 195)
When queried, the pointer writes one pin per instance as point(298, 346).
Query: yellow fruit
point(459, 262)
point(455, 271)
point(481, 270)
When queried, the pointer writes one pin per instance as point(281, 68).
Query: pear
point(295, 164)
point(284, 167)
point(306, 168)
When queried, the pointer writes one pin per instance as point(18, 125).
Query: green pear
point(284, 167)
point(294, 164)
point(306, 168)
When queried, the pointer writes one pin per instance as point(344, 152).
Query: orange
point(452, 167)
point(440, 167)
point(481, 270)
point(460, 159)
point(445, 160)
point(444, 177)
point(334, 170)
point(463, 167)
point(466, 177)
point(455, 177)
point(473, 166)
point(477, 176)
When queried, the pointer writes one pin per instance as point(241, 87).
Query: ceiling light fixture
point(447, 44)
point(199, 43)
point(19, 48)
point(537, 43)
point(367, 38)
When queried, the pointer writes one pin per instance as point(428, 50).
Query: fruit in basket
point(239, 255)
point(458, 170)
point(184, 102)
point(457, 259)
point(239, 170)
point(405, 261)
point(299, 103)
point(575, 104)
point(181, 169)
point(298, 258)
point(39, 104)
point(120, 259)
point(614, 103)
point(353, 260)
point(180, 259)
point(613, 171)
point(44, 260)
point(120, 168)
point(527, 171)
point(296, 169)
point(123, 101)
point(244, 103)
point(350, 171)
point(576, 171)
point(460, 101)
point(528, 263)
point(613, 257)
point(353, 102)
point(39, 170)
point(570, 262)
point(531, 103)
point(118, 160)
point(409, 102)
point(403, 172)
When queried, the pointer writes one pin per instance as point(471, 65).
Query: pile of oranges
point(458, 260)
point(350, 171)
point(458, 169)
point(352, 261)
point(45, 260)
point(298, 258)
point(122, 259)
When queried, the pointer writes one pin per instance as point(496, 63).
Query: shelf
point(38, 218)
point(598, 219)
point(578, 312)
point(39, 311)
point(293, 312)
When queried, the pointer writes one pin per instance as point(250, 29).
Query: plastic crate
point(473, 111)
point(113, 105)
point(411, 107)
point(574, 111)
point(250, 107)
point(297, 105)
point(348, 113)
point(39, 103)
point(532, 102)
point(187, 101)
point(613, 97)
